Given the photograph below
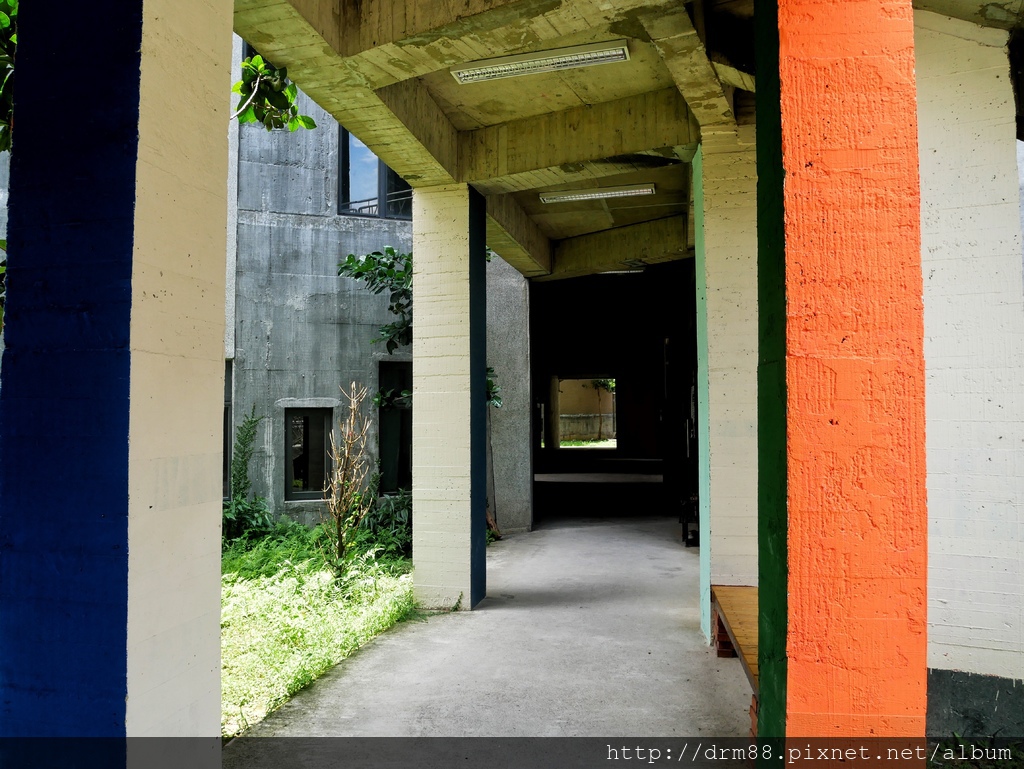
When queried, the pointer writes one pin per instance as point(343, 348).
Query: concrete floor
point(590, 628)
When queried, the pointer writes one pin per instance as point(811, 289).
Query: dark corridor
point(637, 329)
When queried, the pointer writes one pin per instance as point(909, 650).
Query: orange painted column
point(855, 466)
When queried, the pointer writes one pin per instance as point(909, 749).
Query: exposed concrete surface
point(299, 332)
point(590, 628)
point(508, 352)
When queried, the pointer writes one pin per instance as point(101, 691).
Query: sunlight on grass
point(607, 443)
point(280, 632)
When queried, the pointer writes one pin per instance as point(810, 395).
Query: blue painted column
point(105, 542)
point(64, 400)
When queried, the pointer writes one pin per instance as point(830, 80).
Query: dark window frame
point(394, 428)
point(398, 201)
point(325, 414)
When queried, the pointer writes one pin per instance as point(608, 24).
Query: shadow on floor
point(591, 629)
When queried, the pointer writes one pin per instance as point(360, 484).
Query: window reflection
point(365, 181)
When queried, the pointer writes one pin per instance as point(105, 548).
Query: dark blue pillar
point(64, 395)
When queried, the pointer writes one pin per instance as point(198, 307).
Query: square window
point(307, 452)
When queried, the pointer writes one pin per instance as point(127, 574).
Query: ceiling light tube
point(542, 61)
point(597, 193)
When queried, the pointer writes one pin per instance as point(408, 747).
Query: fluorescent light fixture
point(597, 193)
point(542, 61)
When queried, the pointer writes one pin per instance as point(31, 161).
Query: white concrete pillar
point(449, 381)
point(727, 281)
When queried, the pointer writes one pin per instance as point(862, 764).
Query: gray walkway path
point(590, 628)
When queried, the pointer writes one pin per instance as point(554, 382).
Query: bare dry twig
point(349, 495)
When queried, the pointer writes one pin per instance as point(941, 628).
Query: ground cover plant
point(286, 617)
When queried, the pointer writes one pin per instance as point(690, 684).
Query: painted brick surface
point(974, 348)
point(857, 529)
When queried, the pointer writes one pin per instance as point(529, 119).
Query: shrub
point(243, 516)
point(389, 524)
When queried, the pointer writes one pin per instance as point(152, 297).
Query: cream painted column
point(727, 256)
point(449, 380)
point(177, 371)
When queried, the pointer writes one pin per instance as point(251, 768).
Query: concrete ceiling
point(1002, 15)
point(381, 67)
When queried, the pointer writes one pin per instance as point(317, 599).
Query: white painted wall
point(730, 242)
point(974, 347)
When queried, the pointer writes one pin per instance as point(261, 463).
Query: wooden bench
point(734, 618)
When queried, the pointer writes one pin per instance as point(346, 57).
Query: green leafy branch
point(8, 43)
point(390, 399)
point(493, 389)
point(268, 97)
point(382, 271)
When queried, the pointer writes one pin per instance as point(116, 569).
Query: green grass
point(609, 443)
point(285, 619)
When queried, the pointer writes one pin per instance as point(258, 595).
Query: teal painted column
point(703, 398)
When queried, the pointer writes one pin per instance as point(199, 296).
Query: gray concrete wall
point(301, 331)
point(508, 352)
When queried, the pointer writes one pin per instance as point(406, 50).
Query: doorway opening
point(613, 370)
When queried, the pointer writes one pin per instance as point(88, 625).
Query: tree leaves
point(381, 271)
point(8, 42)
point(268, 97)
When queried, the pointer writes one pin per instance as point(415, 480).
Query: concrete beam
point(581, 173)
point(538, 151)
point(662, 240)
point(413, 105)
point(368, 24)
point(687, 59)
point(417, 144)
point(514, 236)
point(731, 76)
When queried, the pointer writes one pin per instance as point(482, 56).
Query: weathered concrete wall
point(301, 331)
point(508, 352)
point(974, 355)
point(586, 427)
